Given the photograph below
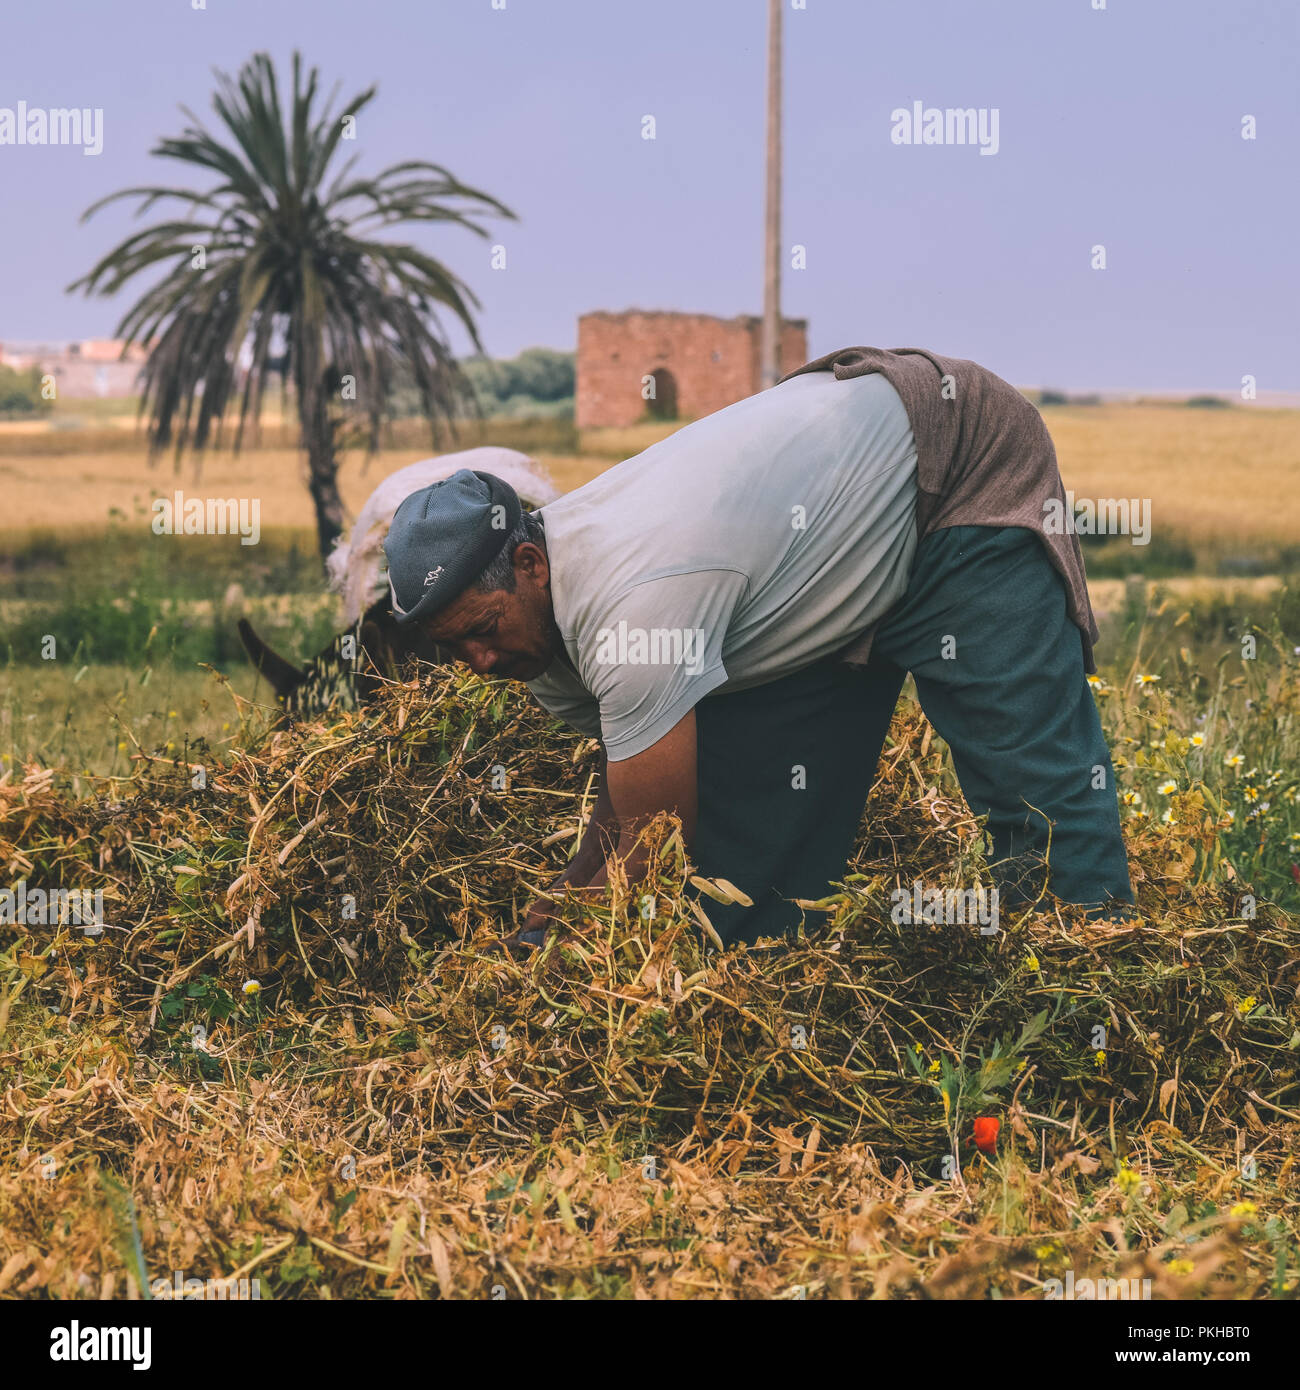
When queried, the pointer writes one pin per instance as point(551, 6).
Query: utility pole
point(769, 368)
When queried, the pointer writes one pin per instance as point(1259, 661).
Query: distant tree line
point(537, 383)
point(1051, 397)
point(20, 394)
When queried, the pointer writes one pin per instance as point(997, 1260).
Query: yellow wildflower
point(1244, 1209)
point(1128, 1180)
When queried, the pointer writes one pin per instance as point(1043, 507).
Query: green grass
point(134, 630)
point(44, 565)
point(98, 719)
point(115, 598)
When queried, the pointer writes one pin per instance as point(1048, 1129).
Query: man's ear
point(531, 563)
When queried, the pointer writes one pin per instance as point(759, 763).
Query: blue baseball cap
point(443, 537)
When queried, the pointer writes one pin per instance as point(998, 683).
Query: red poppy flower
point(986, 1134)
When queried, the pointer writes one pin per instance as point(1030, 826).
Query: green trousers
point(785, 768)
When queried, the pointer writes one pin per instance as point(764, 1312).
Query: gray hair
point(500, 574)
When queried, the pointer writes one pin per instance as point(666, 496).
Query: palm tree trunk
point(323, 483)
point(317, 435)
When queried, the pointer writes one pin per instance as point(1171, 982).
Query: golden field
point(1212, 475)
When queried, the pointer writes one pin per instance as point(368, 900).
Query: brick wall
point(713, 362)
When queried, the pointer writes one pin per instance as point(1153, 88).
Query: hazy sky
point(1120, 127)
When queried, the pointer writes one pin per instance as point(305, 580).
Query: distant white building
point(92, 367)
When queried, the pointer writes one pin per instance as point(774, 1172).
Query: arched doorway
point(661, 403)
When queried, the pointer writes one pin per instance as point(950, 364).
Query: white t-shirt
point(742, 548)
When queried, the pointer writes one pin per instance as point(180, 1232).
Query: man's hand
point(632, 793)
point(663, 778)
point(579, 871)
point(599, 839)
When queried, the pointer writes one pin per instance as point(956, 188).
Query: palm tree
point(274, 272)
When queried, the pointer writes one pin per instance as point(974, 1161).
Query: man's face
point(504, 633)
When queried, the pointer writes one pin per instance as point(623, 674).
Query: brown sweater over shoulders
point(983, 457)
